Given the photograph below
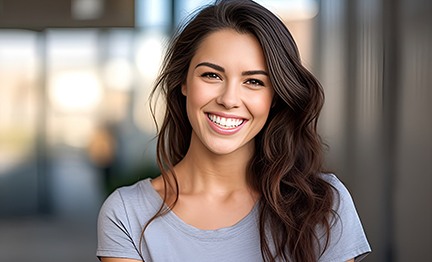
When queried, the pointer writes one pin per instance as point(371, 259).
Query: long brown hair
point(287, 165)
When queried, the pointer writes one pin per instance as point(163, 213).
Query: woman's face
point(228, 92)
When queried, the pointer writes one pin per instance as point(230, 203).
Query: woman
point(240, 157)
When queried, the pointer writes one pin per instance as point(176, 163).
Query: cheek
point(260, 105)
point(198, 95)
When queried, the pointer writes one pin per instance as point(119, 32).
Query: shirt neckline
point(245, 224)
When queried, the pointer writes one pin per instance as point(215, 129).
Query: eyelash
point(210, 75)
point(255, 82)
point(252, 81)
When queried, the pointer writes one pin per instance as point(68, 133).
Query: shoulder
point(343, 203)
point(122, 217)
point(117, 197)
point(347, 237)
point(342, 195)
point(128, 201)
point(334, 181)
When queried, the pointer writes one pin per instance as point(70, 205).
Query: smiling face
point(228, 92)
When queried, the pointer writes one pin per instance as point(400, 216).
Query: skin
point(227, 77)
point(111, 259)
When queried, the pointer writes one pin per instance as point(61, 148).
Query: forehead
point(228, 44)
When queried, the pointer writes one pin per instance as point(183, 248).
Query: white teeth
point(225, 122)
point(229, 122)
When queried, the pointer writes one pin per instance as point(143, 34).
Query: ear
point(183, 89)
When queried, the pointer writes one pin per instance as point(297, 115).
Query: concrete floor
point(46, 239)
point(69, 233)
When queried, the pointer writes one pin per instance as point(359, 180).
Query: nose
point(229, 96)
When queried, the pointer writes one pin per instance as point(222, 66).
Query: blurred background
point(74, 121)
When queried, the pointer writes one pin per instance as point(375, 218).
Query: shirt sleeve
point(114, 231)
point(347, 237)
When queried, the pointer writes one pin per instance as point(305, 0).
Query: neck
point(203, 171)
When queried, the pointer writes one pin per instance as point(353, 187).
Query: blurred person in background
point(241, 162)
point(102, 150)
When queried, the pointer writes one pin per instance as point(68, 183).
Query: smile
point(225, 122)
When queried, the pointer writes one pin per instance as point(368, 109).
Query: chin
point(222, 149)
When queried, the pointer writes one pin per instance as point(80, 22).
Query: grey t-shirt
point(168, 238)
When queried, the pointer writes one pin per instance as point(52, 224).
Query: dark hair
point(286, 168)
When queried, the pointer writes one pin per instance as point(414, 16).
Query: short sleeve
point(114, 231)
point(347, 237)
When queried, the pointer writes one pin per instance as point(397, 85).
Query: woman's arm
point(351, 260)
point(113, 259)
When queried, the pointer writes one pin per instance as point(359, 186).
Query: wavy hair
point(286, 168)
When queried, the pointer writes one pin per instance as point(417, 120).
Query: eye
point(210, 75)
point(254, 82)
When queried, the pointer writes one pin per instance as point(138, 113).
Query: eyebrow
point(221, 69)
